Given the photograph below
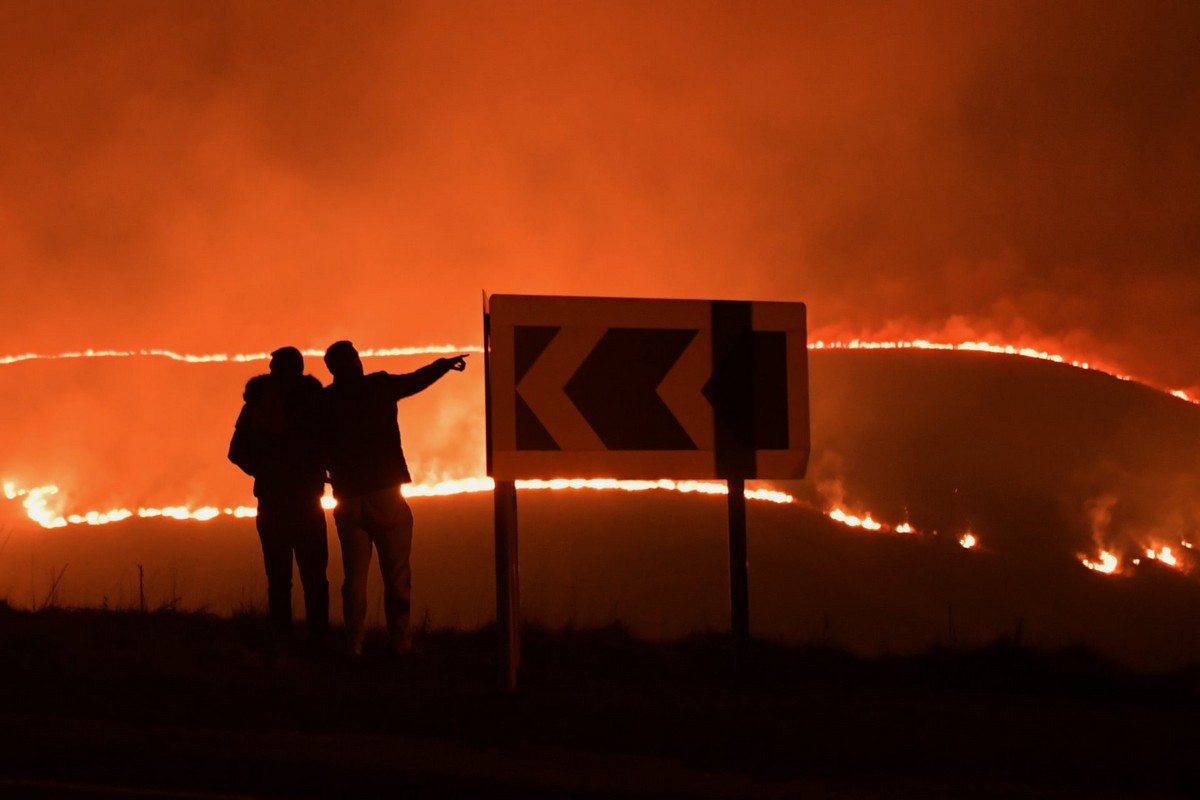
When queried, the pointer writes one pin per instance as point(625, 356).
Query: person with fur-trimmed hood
point(275, 441)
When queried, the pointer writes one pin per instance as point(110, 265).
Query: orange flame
point(854, 344)
point(868, 523)
point(999, 349)
point(38, 507)
point(865, 522)
point(1171, 556)
point(1107, 563)
point(37, 504)
point(225, 358)
point(1164, 555)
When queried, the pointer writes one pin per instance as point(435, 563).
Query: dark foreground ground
point(122, 704)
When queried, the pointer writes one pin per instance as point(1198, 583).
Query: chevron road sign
point(586, 387)
point(638, 388)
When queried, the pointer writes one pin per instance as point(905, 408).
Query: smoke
point(243, 174)
point(240, 175)
point(1099, 512)
point(826, 476)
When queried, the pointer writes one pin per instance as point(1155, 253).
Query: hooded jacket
point(275, 439)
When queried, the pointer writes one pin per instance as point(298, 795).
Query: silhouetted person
point(367, 468)
point(276, 442)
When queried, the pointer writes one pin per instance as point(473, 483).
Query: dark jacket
point(276, 440)
point(362, 438)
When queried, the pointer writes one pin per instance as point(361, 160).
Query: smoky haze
point(235, 175)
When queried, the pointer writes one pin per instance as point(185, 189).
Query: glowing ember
point(904, 527)
point(1107, 563)
point(968, 541)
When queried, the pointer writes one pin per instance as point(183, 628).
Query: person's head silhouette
point(287, 361)
point(342, 360)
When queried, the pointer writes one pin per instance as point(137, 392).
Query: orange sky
point(233, 176)
point(236, 175)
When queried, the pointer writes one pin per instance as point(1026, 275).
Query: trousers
point(295, 527)
point(381, 520)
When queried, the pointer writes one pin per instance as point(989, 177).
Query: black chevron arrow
point(615, 389)
point(529, 342)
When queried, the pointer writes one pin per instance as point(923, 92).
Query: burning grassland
point(944, 465)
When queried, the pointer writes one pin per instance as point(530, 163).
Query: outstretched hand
point(458, 363)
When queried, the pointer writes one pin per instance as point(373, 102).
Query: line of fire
point(49, 505)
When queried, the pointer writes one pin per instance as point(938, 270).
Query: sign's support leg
point(739, 580)
point(508, 606)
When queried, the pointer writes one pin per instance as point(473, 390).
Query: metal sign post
point(739, 567)
point(508, 605)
